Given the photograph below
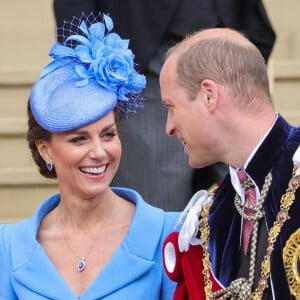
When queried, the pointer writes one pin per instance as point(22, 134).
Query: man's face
point(187, 119)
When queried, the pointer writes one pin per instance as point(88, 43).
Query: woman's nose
point(96, 150)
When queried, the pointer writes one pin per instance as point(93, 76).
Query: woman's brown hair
point(36, 132)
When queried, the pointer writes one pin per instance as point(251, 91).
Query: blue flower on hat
point(101, 55)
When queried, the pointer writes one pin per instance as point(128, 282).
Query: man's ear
point(209, 89)
point(44, 150)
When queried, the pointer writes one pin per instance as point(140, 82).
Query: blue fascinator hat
point(91, 73)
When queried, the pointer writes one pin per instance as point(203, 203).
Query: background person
point(89, 241)
point(162, 174)
point(216, 81)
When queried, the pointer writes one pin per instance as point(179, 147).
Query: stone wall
point(285, 60)
point(26, 34)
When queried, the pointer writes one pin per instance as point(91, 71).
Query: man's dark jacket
point(145, 23)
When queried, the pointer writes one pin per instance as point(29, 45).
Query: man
point(158, 170)
point(215, 86)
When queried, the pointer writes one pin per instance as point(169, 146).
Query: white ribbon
point(188, 233)
point(296, 160)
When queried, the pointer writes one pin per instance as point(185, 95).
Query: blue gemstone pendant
point(81, 264)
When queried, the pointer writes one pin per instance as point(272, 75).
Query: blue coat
point(135, 270)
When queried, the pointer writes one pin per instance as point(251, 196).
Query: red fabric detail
point(188, 272)
point(177, 274)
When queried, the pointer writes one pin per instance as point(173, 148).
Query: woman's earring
point(49, 165)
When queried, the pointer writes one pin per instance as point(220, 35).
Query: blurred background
point(27, 31)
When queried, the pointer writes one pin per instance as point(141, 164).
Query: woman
point(89, 241)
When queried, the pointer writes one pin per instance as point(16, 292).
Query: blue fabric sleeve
point(6, 288)
point(168, 286)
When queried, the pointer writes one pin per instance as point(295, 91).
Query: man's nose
point(170, 128)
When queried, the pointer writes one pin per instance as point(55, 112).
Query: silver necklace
point(81, 263)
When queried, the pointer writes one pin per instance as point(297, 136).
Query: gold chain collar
point(236, 286)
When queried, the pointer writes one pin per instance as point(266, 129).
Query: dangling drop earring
point(49, 165)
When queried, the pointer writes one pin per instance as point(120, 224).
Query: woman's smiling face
point(85, 159)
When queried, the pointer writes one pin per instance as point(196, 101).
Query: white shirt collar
point(296, 160)
point(233, 171)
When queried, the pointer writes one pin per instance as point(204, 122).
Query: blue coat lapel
point(132, 259)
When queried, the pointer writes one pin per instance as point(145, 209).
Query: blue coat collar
point(138, 253)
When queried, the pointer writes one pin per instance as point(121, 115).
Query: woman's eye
point(77, 139)
point(110, 134)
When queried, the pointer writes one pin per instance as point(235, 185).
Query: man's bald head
point(208, 34)
point(225, 56)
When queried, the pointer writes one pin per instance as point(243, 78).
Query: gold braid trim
point(291, 253)
point(204, 235)
point(286, 202)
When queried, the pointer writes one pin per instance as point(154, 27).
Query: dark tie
point(250, 199)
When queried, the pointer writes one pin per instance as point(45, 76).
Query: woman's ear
point(44, 150)
point(209, 89)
